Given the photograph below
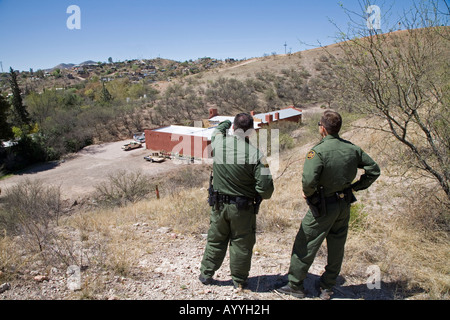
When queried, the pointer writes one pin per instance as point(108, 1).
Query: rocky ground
point(169, 269)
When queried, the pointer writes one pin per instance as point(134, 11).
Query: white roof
point(190, 131)
point(284, 113)
point(221, 119)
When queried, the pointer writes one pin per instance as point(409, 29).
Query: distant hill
point(63, 66)
point(71, 65)
point(88, 62)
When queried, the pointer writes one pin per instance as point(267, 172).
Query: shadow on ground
point(387, 291)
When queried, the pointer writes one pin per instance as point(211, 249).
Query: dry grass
point(185, 212)
point(10, 258)
point(410, 261)
point(108, 238)
point(407, 239)
point(398, 224)
point(404, 224)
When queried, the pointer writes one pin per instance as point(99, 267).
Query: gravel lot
point(79, 173)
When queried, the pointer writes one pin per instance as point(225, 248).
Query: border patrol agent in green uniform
point(241, 180)
point(329, 170)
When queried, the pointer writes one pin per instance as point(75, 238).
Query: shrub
point(357, 217)
point(29, 209)
point(286, 141)
point(123, 187)
point(187, 177)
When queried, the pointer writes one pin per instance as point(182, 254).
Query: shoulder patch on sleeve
point(311, 154)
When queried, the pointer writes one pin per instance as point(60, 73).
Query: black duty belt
point(224, 198)
point(346, 195)
point(242, 203)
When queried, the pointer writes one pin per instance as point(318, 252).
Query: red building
point(196, 142)
point(188, 141)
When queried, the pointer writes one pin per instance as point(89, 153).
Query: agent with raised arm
point(241, 178)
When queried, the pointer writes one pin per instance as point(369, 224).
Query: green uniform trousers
point(333, 227)
point(228, 225)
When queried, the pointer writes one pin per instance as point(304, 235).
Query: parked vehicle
point(139, 137)
point(155, 157)
point(131, 145)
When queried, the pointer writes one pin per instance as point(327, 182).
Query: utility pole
point(285, 45)
point(1, 66)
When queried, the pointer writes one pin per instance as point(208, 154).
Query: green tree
point(20, 114)
point(105, 96)
point(40, 74)
point(181, 102)
point(57, 73)
point(5, 128)
point(231, 95)
point(325, 85)
point(292, 87)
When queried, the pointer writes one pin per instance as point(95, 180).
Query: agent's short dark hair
point(332, 121)
point(243, 121)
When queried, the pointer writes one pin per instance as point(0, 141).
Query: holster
point(257, 203)
point(350, 197)
point(315, 205)
point(242, 203)
point(213, 196)
point(318, 202)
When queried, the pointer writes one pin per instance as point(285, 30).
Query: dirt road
point(79, 173)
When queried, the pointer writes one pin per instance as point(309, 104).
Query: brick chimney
point(252, 113)
point(269, 118)
point(277, 116)
point(212, 112)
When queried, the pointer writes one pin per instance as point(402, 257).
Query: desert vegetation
point(395, 226)
point(392, 90)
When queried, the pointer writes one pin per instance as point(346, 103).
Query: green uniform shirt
point(240, 169)
point(333, 164)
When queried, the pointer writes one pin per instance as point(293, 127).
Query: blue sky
point(34, 34)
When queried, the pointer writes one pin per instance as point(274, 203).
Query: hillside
point(149, 70)
point(152, 249)
point(149, 248)
point(274, 63)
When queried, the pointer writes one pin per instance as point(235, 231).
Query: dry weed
point(412, 258)
point(10, 257)
point(185, 212)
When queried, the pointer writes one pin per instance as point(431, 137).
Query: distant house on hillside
point(290, 114)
